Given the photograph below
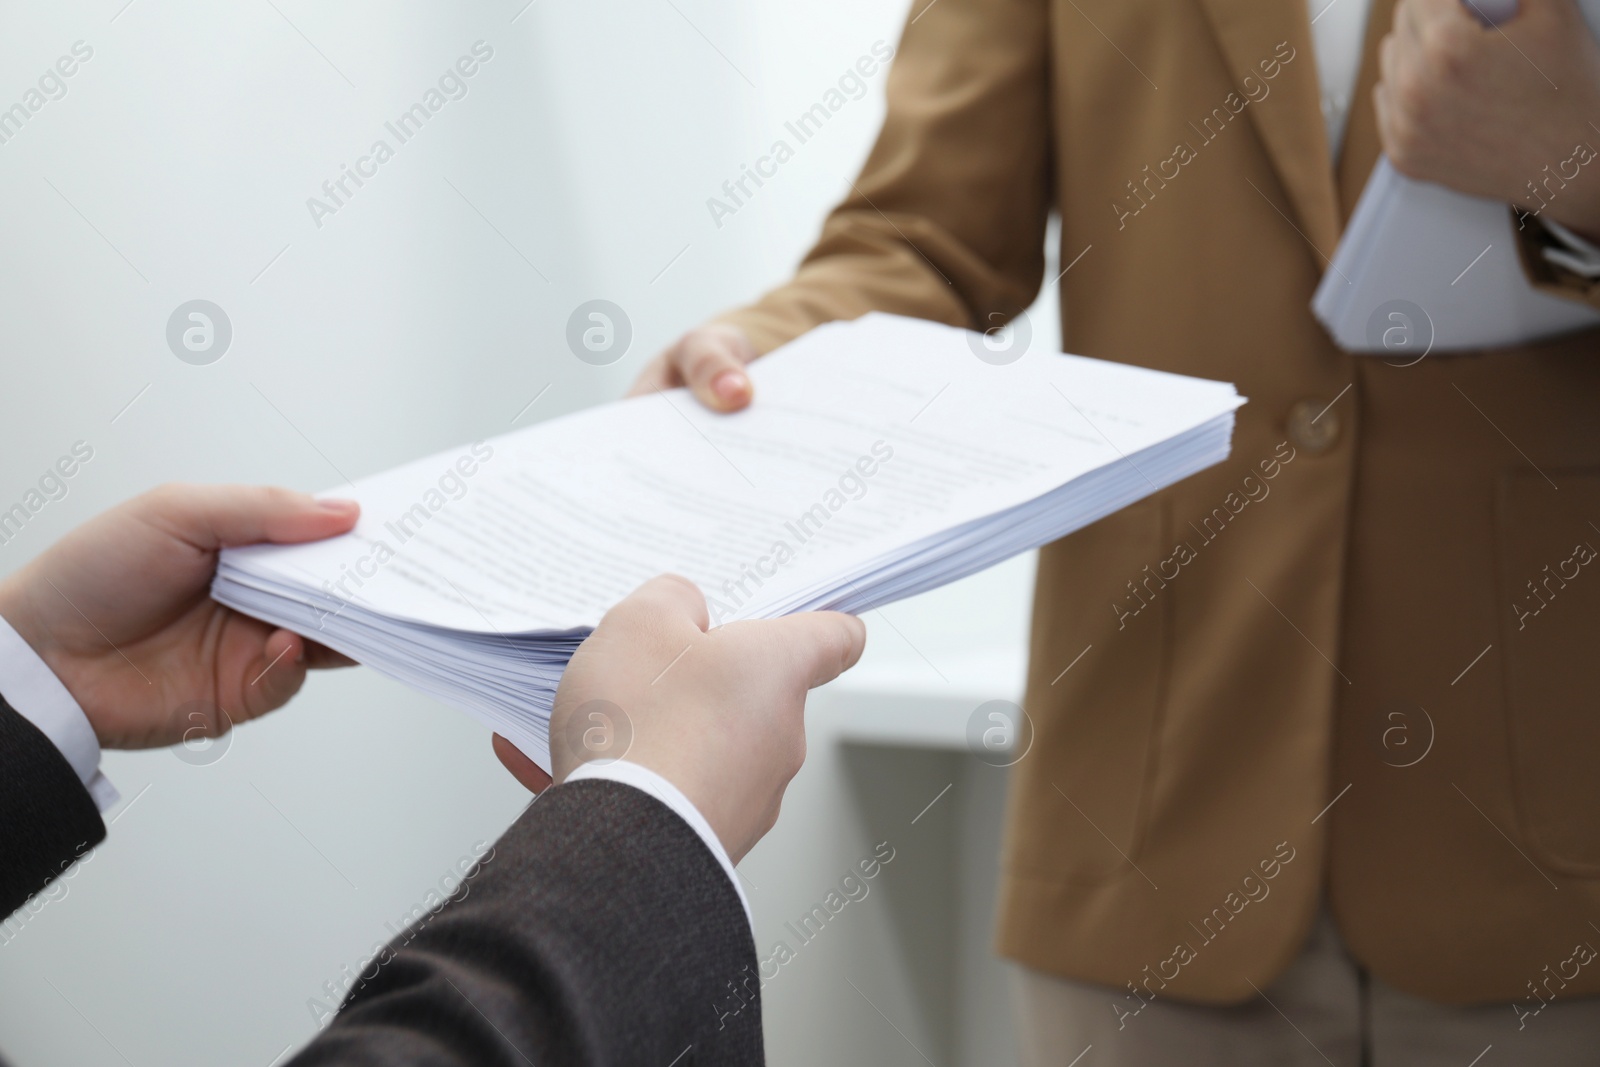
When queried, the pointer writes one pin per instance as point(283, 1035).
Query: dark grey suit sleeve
point(47, 819)
point(600, 931)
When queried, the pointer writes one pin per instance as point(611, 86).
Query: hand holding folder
point(1425, 268)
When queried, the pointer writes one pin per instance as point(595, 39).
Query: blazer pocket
point(1549, 593)
point(1079, 800)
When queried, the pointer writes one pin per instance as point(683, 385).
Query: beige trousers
point(1325, 1010)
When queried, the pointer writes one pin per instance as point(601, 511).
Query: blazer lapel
point(1289, 119)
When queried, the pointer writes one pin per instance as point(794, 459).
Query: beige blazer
point(1358, 660)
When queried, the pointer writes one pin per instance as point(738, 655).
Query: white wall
point(427, 311)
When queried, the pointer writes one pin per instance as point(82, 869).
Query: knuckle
point(1403, 153)
point(676, 579)
point(794, 756)
point(1389, 51)
point(648, 609)
point(836, 646)
point(169, 495)
point(705, 358)
point(626, 614)
point(734, 337)
point(1414, 106)
point(1450, 50)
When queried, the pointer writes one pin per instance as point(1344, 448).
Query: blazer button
point(1313, 426)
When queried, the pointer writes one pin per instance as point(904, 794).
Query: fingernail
point(730, 385)
point(341, 507)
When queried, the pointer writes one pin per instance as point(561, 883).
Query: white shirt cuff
point(1578, 255)
point(641, 777)
point(35, 693)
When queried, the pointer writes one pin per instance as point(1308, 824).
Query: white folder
point(1424, 268)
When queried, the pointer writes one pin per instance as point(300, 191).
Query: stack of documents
point(880, 459)
point(1424, 268)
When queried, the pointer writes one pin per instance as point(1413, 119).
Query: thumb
point(822, 644)
point(217, 516)
point(664, 601)
point(711, 360)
